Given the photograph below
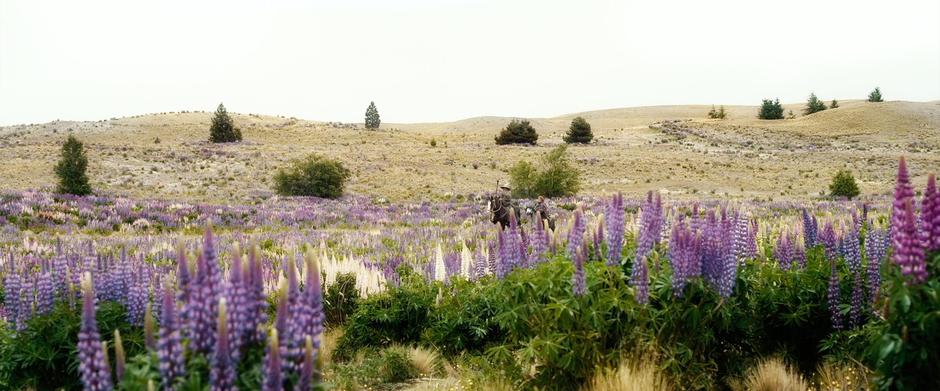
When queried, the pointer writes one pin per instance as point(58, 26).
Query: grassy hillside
point(167, 155)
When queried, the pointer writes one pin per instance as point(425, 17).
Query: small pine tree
point(721, 112)
point(372, 117)
point(790, 114)
point(579, 132)
point(834, 104)
point(770, 109)
point(517, 132)
point(713, 113)
point(71, 169)
point(843, 185)
point(875, 96)
point(223, 128)
point(813, 105)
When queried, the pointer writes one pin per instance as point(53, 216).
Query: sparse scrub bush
point(314, 176)
point(579, 132)
point(834, 104)
point(71, 168)
point(223, 128)
point(555, 176)
point(517, 132)
point(843, 185)
point(813, 105)
point(770, 109)
point(717, 114)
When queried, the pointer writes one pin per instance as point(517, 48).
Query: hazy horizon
point(431, 61)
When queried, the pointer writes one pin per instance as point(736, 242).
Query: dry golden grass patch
point(772, 375)
point(629, 376)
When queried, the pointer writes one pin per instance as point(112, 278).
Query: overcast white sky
point(442, 60)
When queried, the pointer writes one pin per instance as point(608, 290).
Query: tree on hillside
point(372, 117)
point(875, 96)
point(770, 109)
point(223, 128)
point(834, 104)
point(843, 185)
point(579, 132)
point(517, 132)
point(813, 105)
point(71, 169)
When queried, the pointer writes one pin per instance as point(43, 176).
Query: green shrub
point(875, 96)
point(517, 132)
point(462, 320)
point(555, 177)
point(579, 132)
point(396, 366)
point(314, 176)
point(770, 109)
point(372, 117)
point(843, 185)
point(71, 168)
point(717, 114)
point(223, 128)
point(340, 299)
point(906, 354)
point(834, 104)
point(813, 105)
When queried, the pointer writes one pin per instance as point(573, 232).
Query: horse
point(535, 216)
point(500, 212)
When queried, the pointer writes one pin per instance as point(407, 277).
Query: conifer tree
point(875, 96)
point(834, 104)
point(579, 132)
point(813, 105)
point(71, 169)
point(770, 109)
point(517, 132)
point(372, 117)
point(223, 128)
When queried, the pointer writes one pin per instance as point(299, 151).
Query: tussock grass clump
point(628, 376)
point(773, 375)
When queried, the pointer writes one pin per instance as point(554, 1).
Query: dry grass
point(841, 377)
point(328, 341)
point(629, 377)
point(772, 375)
point(427, 361)
point(740, 157)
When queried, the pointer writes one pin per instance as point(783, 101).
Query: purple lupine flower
point(809, 230)
point(169, 346)
point(306, 380)
point(310, 312)
point(271, 373)
point(909, 248)
point(539, 243)
point(858, 301)
point(799, 254)
point(136, 303)
point(578, 283)
point(258, 304)
point(150, 340)
point(930, 215)
point(182, 282)
point(903, 193)
point(236, 295)
point(875, 248)
point(12, 285)
point(291, 338)
point(44, 293)
point(451, 266)
point(640, 280)
point(25, 307)
point(742, 237)
point(598, 238)
point(719, 265)
point(222, 372)
point(202, 309)
point(615, 230)
point(683, 256)
point(853, 249)
point(834, 296)
point(491, 258)
point(576, 235)
point(92, 363)
point(829, 240)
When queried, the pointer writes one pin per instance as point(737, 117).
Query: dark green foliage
point(223, 128)
point(462, 320)
point(875, 96)
point(71, 169)
point(377, 368)
point(555, 176)
point(834, 104)
point(396, 366)
point(44, 356)
point(314, 176)
point(396, 316)
point(372, 117)
point(843, 185)
point(579, 132)
point(517, 132)
point(813, 105)
point(906, 354)
point(717, 114)
point(770, 109)
point(340, 299)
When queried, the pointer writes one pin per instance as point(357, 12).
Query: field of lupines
point(103, 293)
